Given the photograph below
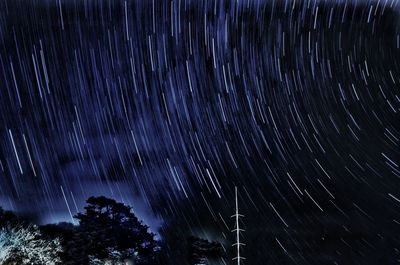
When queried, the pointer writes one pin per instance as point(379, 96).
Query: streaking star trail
point(167, 106)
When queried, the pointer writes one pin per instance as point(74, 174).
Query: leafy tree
point(67, 232)
point(201, 250)
point(25, 245)
point(115, 257)
point(109, 225)
point(7, 217)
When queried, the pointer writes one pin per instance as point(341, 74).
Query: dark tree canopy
point(201, 250)
point(107, 231)
point(106, 224)
point(8, 217)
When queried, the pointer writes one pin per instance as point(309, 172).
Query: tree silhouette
point(8, 217)
point(107, 225)
point(201, 250)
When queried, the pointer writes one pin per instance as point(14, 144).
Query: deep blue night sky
point(168, 105)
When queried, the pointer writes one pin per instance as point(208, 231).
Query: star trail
point(170, 105)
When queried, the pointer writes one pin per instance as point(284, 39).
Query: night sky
point(168, 105)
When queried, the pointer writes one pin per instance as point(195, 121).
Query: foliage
point(8, 217)
point(25, 245)
point(201, 250)
point(108, 233)
point(115, 257)
point(67, 233)
point(109, 230)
